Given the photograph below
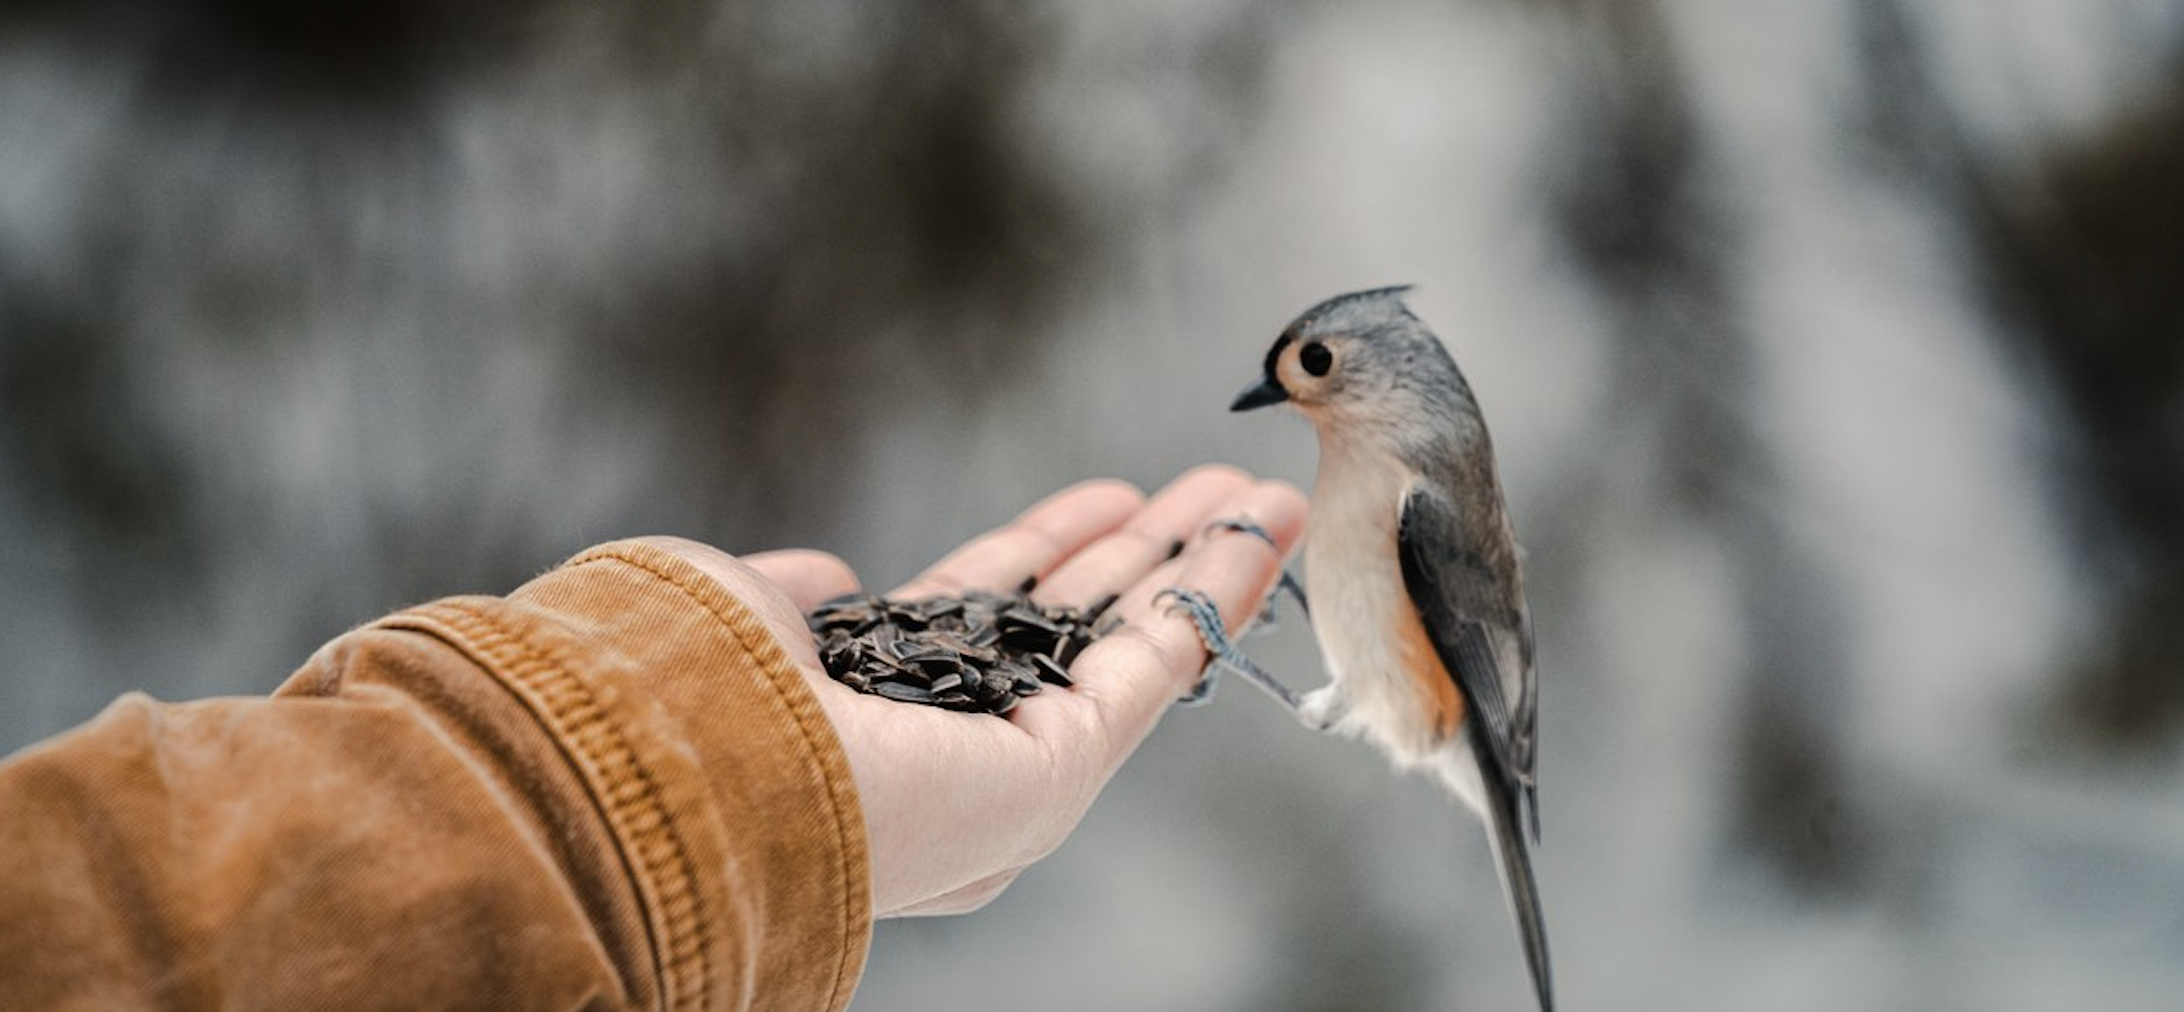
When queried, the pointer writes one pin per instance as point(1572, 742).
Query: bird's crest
point(1342, 310)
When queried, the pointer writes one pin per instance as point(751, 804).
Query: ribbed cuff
point(727, 795)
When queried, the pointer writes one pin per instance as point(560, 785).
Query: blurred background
point(1835, 353)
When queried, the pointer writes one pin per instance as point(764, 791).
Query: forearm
point(606, 790)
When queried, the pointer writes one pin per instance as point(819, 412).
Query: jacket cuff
point(704, 751)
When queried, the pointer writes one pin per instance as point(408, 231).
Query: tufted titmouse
point(1415, 588)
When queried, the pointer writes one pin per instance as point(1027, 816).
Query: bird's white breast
point(1355, 583)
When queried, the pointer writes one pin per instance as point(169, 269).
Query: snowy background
point(1835, 352)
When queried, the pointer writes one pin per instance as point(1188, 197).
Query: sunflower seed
point(1051, 672)
point(903, 693)
point(977, 652)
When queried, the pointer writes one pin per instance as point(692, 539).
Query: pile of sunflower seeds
point(978, 653)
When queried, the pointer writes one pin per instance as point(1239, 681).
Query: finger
point(1030, 545)
point(1128, 678)
point(1150, 537)
point(807, 576)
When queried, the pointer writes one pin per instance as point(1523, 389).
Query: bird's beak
point(1258, 395)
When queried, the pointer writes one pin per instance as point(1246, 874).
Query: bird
point(1414, 582)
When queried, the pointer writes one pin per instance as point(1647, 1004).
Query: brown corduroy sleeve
point(607, 790)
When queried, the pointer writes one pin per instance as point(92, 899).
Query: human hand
point(957, 805)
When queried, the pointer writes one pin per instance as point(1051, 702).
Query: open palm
point(956, 805)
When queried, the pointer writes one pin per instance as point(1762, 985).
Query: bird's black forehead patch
point(1274, 354)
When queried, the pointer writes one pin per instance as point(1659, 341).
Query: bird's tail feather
point(1513, 856)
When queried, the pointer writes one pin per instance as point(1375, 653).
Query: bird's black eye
point(1315, 358)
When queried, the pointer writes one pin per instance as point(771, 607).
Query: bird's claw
point(1206, 618)
point(1221, 651)
point(1245, 525)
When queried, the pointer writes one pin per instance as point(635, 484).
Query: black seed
point(883, 634)
point(905, 675)
point(852, 619)
point(839, 652)
point(1030, 584)
point(931, 659)
point(978, 652)
point(842, 612)
point(1051, 672)
point(1025, 682)
point(1026, 615)
point(971, 654)
point(903, 693)
point(1026, 640)
point(1009, 670)
point(934, 608)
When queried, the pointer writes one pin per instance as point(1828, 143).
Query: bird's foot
point(1245, 525)
point(1221, 651)
point(1320, 708)
point(1295, 589)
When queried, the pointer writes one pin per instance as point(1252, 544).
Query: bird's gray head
point(1363, 366)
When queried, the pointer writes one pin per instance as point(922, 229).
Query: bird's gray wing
point(1463, 602)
